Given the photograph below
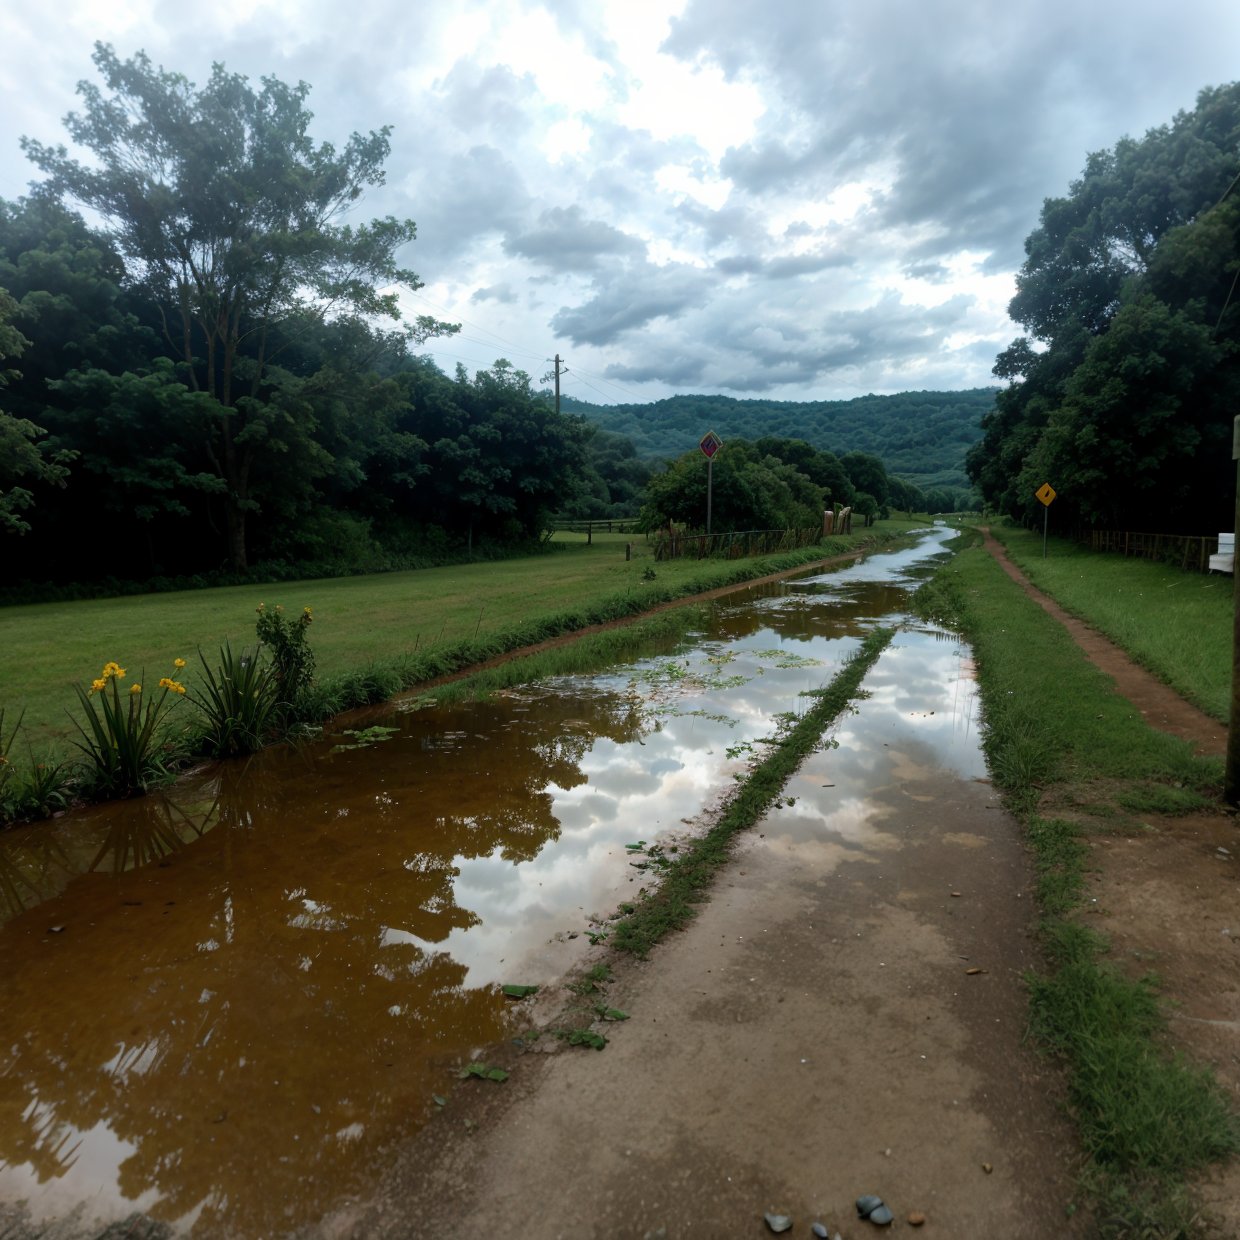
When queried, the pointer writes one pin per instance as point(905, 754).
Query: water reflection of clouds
point(439, 857)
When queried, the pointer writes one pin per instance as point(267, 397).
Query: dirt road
point(821, 1031)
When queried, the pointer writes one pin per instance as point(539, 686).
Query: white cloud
point(699, 195)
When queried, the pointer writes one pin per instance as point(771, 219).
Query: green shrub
point(238, 701)
point(291, 657)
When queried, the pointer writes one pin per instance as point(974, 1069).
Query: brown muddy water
point(222, 1005)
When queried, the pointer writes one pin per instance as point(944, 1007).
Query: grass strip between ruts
point(674, 902)
point(1059, 741)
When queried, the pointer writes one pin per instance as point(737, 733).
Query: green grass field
point(1177, 624)
point(359, 621)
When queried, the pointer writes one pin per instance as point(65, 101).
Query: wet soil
point(813, 1036)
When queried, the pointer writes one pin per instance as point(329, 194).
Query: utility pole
point(558, 373)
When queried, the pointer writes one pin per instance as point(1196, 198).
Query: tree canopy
point(227, 216)
point(1122, 393)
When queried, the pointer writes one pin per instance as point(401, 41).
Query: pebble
point(868, 1204)
point(916, 1219)
point(820, 1231)
point(778, 1222)
point(988, 1167)
point(882, 1216)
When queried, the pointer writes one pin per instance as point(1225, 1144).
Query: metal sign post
point(710, 444)
point(1046, 493)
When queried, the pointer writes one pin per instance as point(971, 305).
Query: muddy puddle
point(221, 1005)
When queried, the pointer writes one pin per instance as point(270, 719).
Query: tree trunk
point(236, 534)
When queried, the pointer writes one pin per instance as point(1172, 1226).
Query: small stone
point(973, 971)
point(55, 929)
point(820, 1231)
point(956, 894)
point(882, 1216)
point(916, 1219)
point(868, 1204)
point(987, 1167)
point(778, 1222)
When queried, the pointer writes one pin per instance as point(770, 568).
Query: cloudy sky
point(807, 200)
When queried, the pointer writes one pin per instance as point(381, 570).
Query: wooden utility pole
point(558, 373)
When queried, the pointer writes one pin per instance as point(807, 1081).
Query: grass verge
point(673, 903)
point(1058, 735)
point(1175, 623)
point(373, 636)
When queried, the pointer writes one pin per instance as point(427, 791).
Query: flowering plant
point(120, 735)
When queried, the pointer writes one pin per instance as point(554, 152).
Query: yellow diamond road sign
point(1045, 493)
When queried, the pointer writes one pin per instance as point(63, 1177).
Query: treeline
point(351, 450)
point(775, 483)
point(1122, 393)
point(921, 436)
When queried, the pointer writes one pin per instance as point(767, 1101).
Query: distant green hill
point(920, 436)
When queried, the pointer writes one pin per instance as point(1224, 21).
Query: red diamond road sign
point(711, 443)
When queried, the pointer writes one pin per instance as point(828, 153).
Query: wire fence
point(1189, 551)
point(733, 545)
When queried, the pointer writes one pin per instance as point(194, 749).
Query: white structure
point(1225, 561)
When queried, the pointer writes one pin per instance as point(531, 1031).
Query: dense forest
point(201, 383)
point(1122, 393)
point(920, 436)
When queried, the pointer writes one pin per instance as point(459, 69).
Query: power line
point(478, 327)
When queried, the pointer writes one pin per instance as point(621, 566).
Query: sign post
point(1046, 493)
point(710, 444)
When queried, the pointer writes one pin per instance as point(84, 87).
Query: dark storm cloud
point(564, 239)
point(805, 264)
point(488, 100)
point(979, 111)
point(632, 299)
point(497, 292)
point(474, 194)
point(784, 268)
point(934, 273)
point(766, 350)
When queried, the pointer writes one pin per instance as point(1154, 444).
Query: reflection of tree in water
point(256, 1014)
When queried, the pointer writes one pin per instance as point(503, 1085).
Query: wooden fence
point(732, 545)
point(596, 525)
point(1189, 551)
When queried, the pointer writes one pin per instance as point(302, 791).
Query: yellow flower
point(308, 610)
point(260, 607)
point(98, 686)
point(178, 663)
point(135, 688)
point(169, 683)
point(112, 669)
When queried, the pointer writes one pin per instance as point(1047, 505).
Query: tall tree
point(22, 458)
point(230, 216)
point(1125, 400)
